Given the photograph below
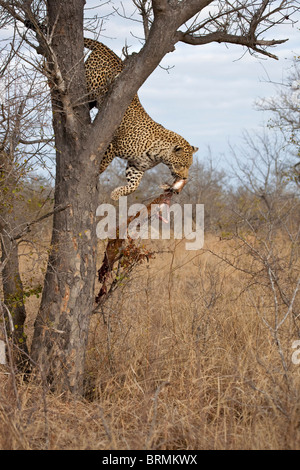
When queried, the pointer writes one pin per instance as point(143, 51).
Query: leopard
point(140, 140)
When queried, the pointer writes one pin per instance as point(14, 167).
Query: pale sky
point(209, 95)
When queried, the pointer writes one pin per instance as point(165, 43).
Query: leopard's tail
point(91, 44)
point(103, 51)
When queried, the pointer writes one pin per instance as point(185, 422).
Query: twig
point(43, 217)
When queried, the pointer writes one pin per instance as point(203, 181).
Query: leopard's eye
point(178, 150)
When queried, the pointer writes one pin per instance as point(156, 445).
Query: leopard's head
point(181, 160)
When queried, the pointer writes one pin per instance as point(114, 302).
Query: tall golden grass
point(183, 355)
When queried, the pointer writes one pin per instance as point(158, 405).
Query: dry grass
point(181, 357)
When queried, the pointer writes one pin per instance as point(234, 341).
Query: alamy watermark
point(296, 354)
point(2, 352)
point(152, 223)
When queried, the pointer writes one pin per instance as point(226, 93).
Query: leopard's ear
point(178, 150)
point(195, 149)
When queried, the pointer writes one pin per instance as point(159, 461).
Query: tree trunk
point(62, 324)
point(14, 297)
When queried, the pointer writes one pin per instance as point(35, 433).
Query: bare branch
point(28, 226)
point(222, 37)
point(144, 9)
point(11, 10)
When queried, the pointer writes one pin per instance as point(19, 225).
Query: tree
point(62, 325)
